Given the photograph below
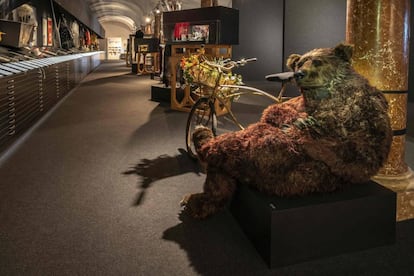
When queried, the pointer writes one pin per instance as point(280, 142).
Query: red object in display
point(181, 28)
point(87, 38)
point(49, 32)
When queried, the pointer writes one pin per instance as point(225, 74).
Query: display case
point(17, 34)
point(210, 25)
point(148, 45)
point(146, 59)
point(31, 88)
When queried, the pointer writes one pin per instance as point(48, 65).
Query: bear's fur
point(337, 132)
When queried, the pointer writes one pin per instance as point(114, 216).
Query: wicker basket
point(198, 72)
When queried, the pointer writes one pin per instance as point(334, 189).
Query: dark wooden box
point(288, 231)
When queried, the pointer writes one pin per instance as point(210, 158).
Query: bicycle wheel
point(201, 114)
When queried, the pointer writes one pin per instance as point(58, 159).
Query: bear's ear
point(292, 60)
point(344, 51)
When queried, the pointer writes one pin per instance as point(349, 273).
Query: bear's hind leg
point(201, 136)
point(218, 190)
point(309, 177)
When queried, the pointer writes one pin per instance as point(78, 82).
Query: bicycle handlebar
point(280, 77)
point(243, 61)
point(229, 64)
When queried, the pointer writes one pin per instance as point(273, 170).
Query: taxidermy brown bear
point(336, 133)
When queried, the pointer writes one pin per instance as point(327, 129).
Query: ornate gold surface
point(395, 164)
point(405, 205)
point(397, 110)
point(404, 187)
point(379, 30)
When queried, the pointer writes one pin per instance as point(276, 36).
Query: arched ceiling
point(132, 13)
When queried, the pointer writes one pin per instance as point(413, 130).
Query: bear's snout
point(299, 75)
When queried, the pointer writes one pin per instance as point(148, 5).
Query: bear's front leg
point(218, 190)
point(284, 113)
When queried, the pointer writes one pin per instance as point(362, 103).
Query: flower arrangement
point(198, 70)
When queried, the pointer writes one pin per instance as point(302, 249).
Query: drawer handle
point(10, 93)
point(10, 81)
point(10, 87)
point(12, 127)
point(11, 122)
point(11, 104)
point(11, 110)
point(11, 98)
point(12, 132)
point(11, 116)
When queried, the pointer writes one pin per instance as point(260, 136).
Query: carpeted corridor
point(95, 188)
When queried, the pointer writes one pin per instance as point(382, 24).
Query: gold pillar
point(157, 24)
point(379, 31)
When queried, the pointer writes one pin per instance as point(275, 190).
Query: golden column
point(379, 31)
point(157, 24)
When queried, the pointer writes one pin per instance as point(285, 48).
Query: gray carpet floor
point(95, 189)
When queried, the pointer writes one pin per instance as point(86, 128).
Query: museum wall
point(273, 29)
point(77, 8)
point(260, 36)
point(82, 11)
point(411, 67)
point(313, 24)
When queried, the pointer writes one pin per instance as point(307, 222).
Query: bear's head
point(319, 67)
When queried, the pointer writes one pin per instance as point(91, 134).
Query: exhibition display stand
point(286, 231)
point(185, 101)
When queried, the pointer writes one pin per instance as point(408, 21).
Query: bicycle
point(216, 88)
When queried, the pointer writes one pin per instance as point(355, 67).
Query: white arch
point(132, 9)
point(120, 19)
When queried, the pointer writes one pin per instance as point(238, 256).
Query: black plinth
point(160, 93)
point(288, 231)
point(134, 68)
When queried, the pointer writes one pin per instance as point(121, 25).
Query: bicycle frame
point(243, 90)
point(220, 96)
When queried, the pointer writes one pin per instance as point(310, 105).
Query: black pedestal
point(160, 93)
point(288, 231)
point(134, 68)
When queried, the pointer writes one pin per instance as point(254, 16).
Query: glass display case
point(30, 88)
point(210, 25)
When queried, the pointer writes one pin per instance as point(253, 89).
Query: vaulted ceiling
point(132, 13)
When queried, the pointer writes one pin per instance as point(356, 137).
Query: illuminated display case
point(210, 25)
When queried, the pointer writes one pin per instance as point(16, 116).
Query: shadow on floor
point(210, 245)
point(164, 166)
point(214, 241)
